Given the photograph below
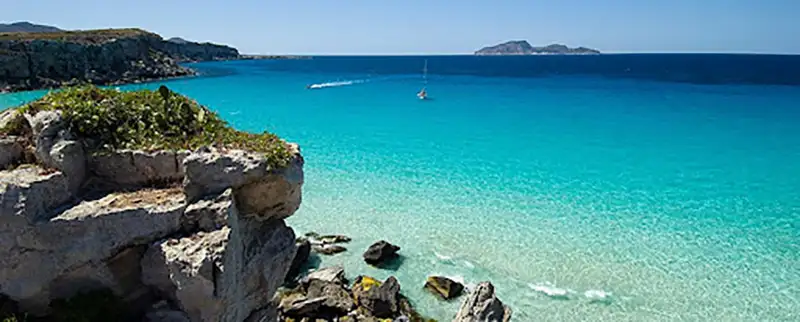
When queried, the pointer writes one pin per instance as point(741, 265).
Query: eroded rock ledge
point(197, 234)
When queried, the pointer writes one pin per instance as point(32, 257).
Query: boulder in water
point(326, 249)
point(444, 287)
point(380, 252)
point(482, 305)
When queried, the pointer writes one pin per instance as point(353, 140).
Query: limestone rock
point(482, 305)
point(226, 275)
point(331, 274)
point(48, 127)
point(31, 193)
point(75, 250)
point(260, 191)
point(208, 214)
point(380, 252)
point(444, 287)
point(186, 271)
point(11, 151)
point(55, 149)
point(304, 307)
point(337, 300)
point(134, 168)
point(68, 157)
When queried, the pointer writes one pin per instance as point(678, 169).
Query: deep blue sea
point(586, 188)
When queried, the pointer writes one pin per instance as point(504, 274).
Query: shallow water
point(582, 195)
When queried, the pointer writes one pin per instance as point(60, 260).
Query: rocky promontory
point(522, 47)
point(145, 201)
point(112, 56)
point(146, 206)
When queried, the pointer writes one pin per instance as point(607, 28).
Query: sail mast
point(425, 72)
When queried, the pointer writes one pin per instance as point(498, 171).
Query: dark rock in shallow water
point(483, 305)
point(444, 287)
point(328, 249)
point(334, 239)
point(380, 252)
point(380, 299)
point(299, 260)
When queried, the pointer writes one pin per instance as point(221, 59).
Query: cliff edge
point(131, 206)
point(33, 60)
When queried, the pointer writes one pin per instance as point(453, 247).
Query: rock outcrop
point(380, 253)
point(52, 58)
point(183, 50)
point(216, 249)
point(325, 294)
point(46, 60)
point(444, 287)
point(482, 305)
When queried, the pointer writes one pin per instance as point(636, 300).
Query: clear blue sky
point(438, 26)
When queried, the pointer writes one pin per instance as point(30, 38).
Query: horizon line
point(472, 54)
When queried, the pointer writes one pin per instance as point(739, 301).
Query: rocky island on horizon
point(522, 47)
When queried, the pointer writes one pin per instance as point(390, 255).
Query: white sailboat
point(423, 94)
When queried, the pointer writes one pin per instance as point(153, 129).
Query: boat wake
point(336, 84)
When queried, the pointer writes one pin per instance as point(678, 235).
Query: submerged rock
point(444, 287)
point(482, 305)
point(333, 239)
point(380, 252)
point(328, 249)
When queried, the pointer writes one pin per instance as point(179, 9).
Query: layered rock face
point(192, 51)
point(199, 233)
point(42, 62)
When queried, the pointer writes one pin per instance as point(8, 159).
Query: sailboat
point(423, 94)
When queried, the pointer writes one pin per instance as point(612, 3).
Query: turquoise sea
point(597, 188)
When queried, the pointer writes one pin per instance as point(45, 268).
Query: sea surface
point(586, 188)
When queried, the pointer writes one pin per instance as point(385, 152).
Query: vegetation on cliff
point(79, 36)
point(107, 119)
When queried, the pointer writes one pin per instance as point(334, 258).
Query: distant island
point(522, 47)
point(24, 26)
point(38, 56)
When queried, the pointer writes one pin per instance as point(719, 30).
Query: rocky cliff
point(183, 50)
point(31, 60)
point(522, 47)
point(171, 234)
point(46, 60)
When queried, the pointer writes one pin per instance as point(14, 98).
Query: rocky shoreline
point(93, 231)
point(47, 60)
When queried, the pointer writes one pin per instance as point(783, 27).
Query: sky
point(342, 27)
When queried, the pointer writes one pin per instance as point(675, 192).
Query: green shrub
point(107, 119)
